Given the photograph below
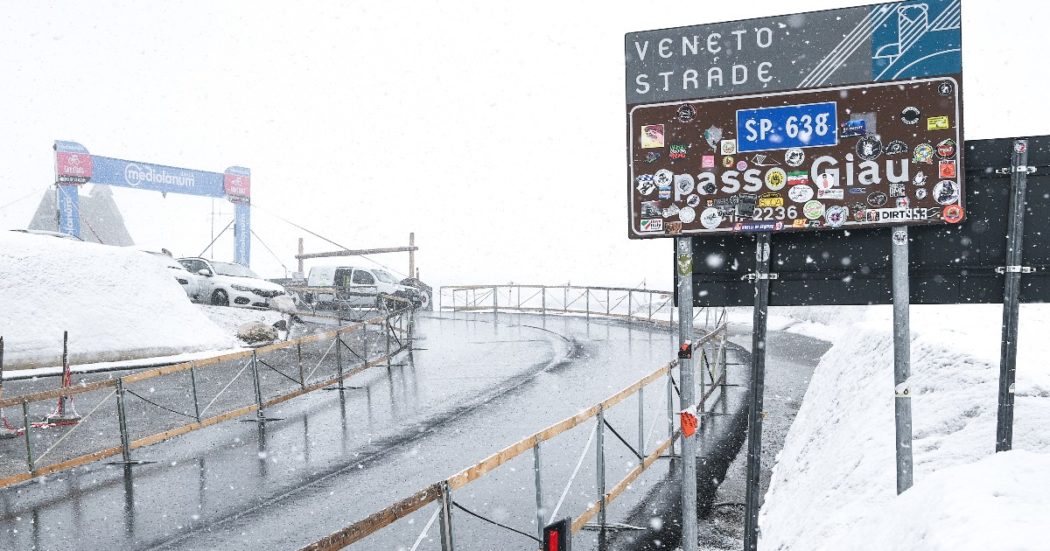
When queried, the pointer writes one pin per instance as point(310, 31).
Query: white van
point(353, 286)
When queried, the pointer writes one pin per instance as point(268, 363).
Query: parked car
point(424, 293)
point(229, 284)
point(358, 287)
point(190, 282)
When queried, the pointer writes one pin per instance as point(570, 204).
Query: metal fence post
point(587, 293)
point(386, 335)
point(649, 317)
point(630, 309)
point(29, 442)
point(608, 303)
point(600, 455)
point(495, 299)
point(536, 466)
point(339, 356)
point(122, 421)
point(447, 542)
point(258, 388)
point(670, 408)
point(196, 402)
point(565, 298)
point(519, 297)
point(299, 363)
point(543, 299)
point(641, 421)
point(1019, 170)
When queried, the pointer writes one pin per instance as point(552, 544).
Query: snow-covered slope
point(834, 484)
point(116, 304)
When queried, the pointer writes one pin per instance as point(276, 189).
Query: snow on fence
point(149, 407)
point(619, 303)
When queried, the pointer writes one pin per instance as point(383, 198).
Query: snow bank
point(834, 484)
point(116, 303)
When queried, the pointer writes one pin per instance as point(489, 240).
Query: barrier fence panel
point(618, 440)
point(120, 415)
point(619, 302)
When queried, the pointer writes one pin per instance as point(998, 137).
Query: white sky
point(466, 122)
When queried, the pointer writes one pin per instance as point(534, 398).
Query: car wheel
point(220, 298)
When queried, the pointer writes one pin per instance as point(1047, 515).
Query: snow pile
point(116, 303)
point(834, 486)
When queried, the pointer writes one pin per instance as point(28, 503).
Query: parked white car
point(229, 284)
point(358, 287)
point(190, 282)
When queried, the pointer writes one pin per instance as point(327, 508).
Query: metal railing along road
point(159, 404)
point(710, 348)
point(619, 302)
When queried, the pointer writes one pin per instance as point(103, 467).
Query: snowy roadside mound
point(116, 303)
point(834, 484)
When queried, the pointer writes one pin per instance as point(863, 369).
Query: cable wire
point(490, 521)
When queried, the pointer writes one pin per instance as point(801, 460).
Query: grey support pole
point(447, 543)
point(125, 448)
point(29, 441)
point(1004, 429)
point(600, 455)
point(641, 421)
point(196, 401)
point(902, 358)
point(536, 465)
point(670, 409)
point(684, 262)
point(339, 356)
point(758, 373)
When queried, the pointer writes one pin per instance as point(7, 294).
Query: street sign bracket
point(1014, 269)
point(1025, 169)
point(753, 276)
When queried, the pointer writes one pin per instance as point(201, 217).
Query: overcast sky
point(493, 130)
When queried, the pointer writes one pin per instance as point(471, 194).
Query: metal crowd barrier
point(232, 385)
point(649, 305)
point(711, 351)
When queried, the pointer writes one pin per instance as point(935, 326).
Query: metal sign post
point(1004, 430)
point(758, 374)
point(684, 252)
point(902, 358)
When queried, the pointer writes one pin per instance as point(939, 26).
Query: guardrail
point(161, 400)
point(711, 351)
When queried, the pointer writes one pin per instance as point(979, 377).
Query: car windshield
point(231, 269)
point(384, 277)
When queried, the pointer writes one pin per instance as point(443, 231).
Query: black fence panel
point(950, 264)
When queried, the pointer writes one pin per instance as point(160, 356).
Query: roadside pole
point(1019, 170)
point(688, 397)
point(902, 358)
point(761, 278)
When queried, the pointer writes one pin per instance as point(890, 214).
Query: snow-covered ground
point(116, 303)
point(834, 487)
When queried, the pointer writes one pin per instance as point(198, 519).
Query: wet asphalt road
point(476, 384)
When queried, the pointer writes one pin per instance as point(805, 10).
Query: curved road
point(476, 383)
